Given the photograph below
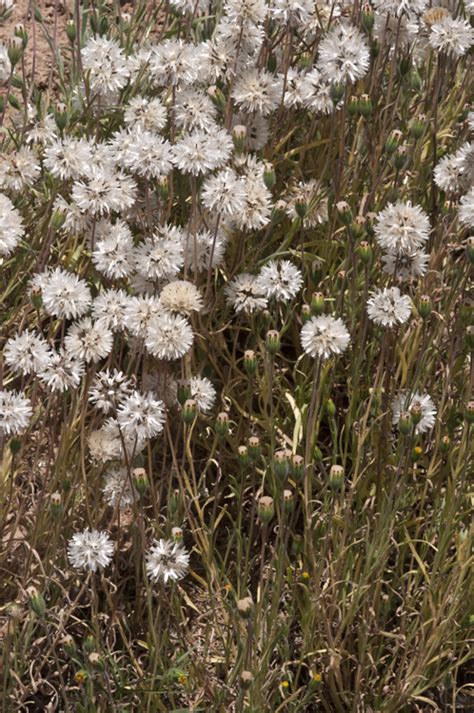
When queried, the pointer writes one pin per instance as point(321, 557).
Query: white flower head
point(404, 402)
point(343, 55)
point(466, 209)
point(387, 307)
point(400, 7)
point(141, 416)
point(64, 294)
point(200, 152)
point(166, 560)
point(64, 371)
point(453, 36)
point(105, 64)
point(15, 413)
point(89, 341)
point(245, 294)
point(109, 389)
point(324, 336)
point(148, 114)
point(203, 393)
point(258, 91)
point(169, 336)
point(402, 227)
point(11, 226)
point(27, 353)
point(90, 550)
point(405, 265)
point(160, 257)
point(181, 296)
point(113, 251)
point(117, 489)
point(280, 279)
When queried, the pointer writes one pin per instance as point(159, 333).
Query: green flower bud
point(71, 31)
point(189, 411)
point(404, 65)
point(15, 50)
point(337, 92)
point(330, 408)
point(222, 424)
point(243, 456)
point(177, 534)
point(469, 412)
point(288, 500)
point(401, 158)
point(470, 249)
point(344, 212)
point(466, 311)
point(20, 31)
point(417, 126)
point(36, 297)
point(336, 477)
point(297, 545)
point(265, 508)
point(405, 424)
point(239, 135)
point(282, 463)
point(416, 454)
point(174, 502)
point(297, 467)
point(470, 337)
point(416, 413)
point(393, 141)
point(69, 646)
point(58, 218)
point(254, 447)
point(424, 306)
point(36, 601)
point(250, 362)
point(269, 177)
point(416, 82)
point(317, 455)
point(317, 303)
point(445, 444)
point(56, 504)
point(353, 105)
point(305, 313)
point(89, 644)
point(273, 342)
point(140, 480)
point(365, 105)
point(61, 115)
point(367, 17)
point(183, 391)
point(357, 227)
point(217, 96)
point(163, 188)
point(365, 252)
point(301, 207)
point(15, 446)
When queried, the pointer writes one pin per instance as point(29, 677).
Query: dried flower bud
point(245, 607)
point(96, 660)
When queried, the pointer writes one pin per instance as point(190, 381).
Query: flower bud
point(71, 31)
point(404, 65)
point(317, 455)
point(217, 96)
point(278, 211)
point(344, 212)
point(445, 444)
point(356, 227)
point(336, 477)
point(246, 679)
point(470, 337)
point(297, 545)
point(417, 126)
point(337, 92)
point(15, 50)
point(243, 456)
point(416, 454)
point(301, 207)
point(424, 306)
point(281, 463)
point(466, 312)
point(250, 362)
point(239, 135)
point(36, 601)
point(305, 313)
point(273, 342)
point(56, 504)
point(177, 534)
point(317, 303)
point(365, 105)
point(330, 408)
point(393, 141)
point(315, 680)
point(353, 105)
point(163, 188)
point(222, 424)
point(189, 411)
point(297, 467)
point(20, 31)
point(36, 297)
point(269, 175)
point(288, 500)
point(416, 413)
point(254, 447)
point(184, 391)
point(174, 502)
point(96, 660)
point(89, 644)
point(401, 158)
point(364, 252)
point(58, 218)
point(81, 676)
point(140, 480)
point(245, 607)
point(15, 446)
point(69, 645)
point(61, 115)
point(405, 423)
point(266, 508)
point(367, 17)
point(469, 412)
point(470, 249)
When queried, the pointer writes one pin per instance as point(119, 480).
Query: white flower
point(5, 64)
point(113, 252)
point(324, 336)
point(75, 221)
point(160, 257)
point(199, 248)
point(117, 488)
point(105, 65)
point(19, 169)
point(148, 114)
point(141, 416)
point(103, 445)
point(138, 313)
point(280, 279)
point(166, 560)
point(145, 154)
point(396, 32)
point(466, 209)
point(257, 207)
point(404, 402)
point(64, 371)
point(388, 307)
point(11, 226)
point(310, 194)
point(68, 157)
point(181, 296)
point(194, 110)
point(109, 389)
point(27, 353)
point(224, 193)
point(103, 191)
point(404, 266)
point(257, 90)
point(90, 550)
point(399, 7)
point(64, 294)
point(201, 152)
point(452, 36)
point(245, 11)
point(402, 227)
point(245, 294)
point(175, 62)
point(203, 392)
point(109, 308)
point(15, 413)
point(89, 341)
point(169, 336)
point(316, 93)
point(343, 55)
point(257, 129)
point(292, 11)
